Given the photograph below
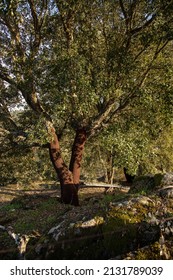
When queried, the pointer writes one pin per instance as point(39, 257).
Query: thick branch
point(37, 27)
point(67, 19)
point(15, 33)
point(123, 9)
point(34, 15)
point(6, 116)
point(100, 118)
point(124, 12)
point(77, 152)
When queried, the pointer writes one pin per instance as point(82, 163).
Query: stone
point(149, 183)
point(166, 192)
point(147, 233)
point(167, 179)
point(93, 222)
point(54, 229)
point(144, 200)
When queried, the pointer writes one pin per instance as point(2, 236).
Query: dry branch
point(20, 240)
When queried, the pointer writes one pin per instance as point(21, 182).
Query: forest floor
point(35, 209)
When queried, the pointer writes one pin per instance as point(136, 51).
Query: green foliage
point(102, 65)
point(141, 138)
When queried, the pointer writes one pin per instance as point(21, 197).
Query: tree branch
point(20, 240)
point(5, 77)
point(11, 23)
point(67, 22)
point(123, 9)
point(142, 27)
point(100, 118)
point(111, 109)
point(6, 117)
point(124, 103)
point(37, 28)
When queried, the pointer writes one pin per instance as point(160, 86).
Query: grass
point(26, 214)
point(11, 207)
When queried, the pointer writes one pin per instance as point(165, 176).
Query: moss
point(120, 230)
point(158, 179)
point(119, 235)
point(151, 252)
point(129, 215)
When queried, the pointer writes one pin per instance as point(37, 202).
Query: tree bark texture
point(68, 189)
point(76, 157)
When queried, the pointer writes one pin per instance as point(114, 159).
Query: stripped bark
point(68, 189)
point(76, 157)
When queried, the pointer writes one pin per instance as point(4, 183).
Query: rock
point(166, 192)
point(123, 225)
point(71, 225)
point(38, 248)
point(144, 200)
point(147, 233)
point(124, 203)
point(149, 183)
point(166, 226)
point(93, 222)
point(167, 180)
point(55, 229)
point(2, 228)
point(153, 220)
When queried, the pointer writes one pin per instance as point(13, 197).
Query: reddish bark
point(68, 190)
point(76, 157)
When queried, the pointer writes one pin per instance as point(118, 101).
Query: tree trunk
point(69, 178)
point(110, 175)
point(68, 189)
point(129, 177)
point(110, 169)
point(76, 157)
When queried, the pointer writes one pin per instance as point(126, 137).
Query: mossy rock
point(143, 184)
point(119, 237)
point(153, 251)
point(149, 183)
point(75, 241)
point(167, 179)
